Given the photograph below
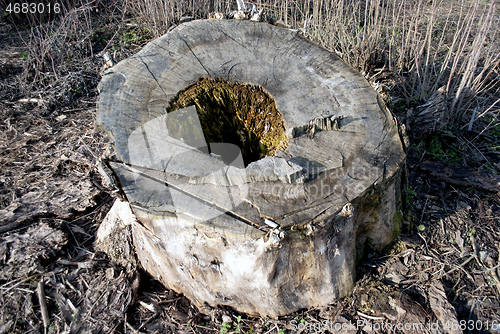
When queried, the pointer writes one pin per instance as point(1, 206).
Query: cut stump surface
point(258, 165)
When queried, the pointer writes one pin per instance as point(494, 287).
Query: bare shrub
point(423, 45)
point(60, 62)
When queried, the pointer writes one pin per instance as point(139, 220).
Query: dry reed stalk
point(422, 45)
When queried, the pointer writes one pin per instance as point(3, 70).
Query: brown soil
point(444, 267)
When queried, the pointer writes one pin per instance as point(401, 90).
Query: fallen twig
point(43, 304)
point(461, 266)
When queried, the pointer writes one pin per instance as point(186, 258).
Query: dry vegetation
point(435, 62)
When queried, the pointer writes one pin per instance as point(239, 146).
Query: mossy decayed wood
point(230, 112)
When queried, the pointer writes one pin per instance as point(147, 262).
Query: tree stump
point(258, 165)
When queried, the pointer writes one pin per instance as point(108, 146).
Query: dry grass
point(408, 49)
point(60, 63)
point(419, 45)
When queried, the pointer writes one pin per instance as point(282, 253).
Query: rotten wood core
point(321, 178)
point(230, 112)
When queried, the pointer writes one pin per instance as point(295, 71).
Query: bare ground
point(442, 272)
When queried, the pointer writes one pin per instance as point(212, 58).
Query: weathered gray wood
point(284, 232)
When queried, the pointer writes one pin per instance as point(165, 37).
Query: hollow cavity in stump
point(229, 112)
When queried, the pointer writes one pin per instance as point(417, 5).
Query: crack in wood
point(146, 142)
point(232, 38)
point(195, 56)
point(152, 75)
point(201, 200)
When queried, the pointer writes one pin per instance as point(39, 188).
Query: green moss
point(241, 114)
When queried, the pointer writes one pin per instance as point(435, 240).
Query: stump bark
point(258, 165)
